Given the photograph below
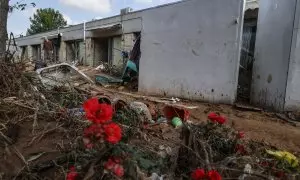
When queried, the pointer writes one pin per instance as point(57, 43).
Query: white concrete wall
point(272, 53)
point(191, 50)
point(292, 98)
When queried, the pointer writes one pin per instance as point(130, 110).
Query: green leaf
point(146, 164)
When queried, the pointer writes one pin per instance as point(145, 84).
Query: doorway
point(247, 56)
point(36, 52)
point(101, 51)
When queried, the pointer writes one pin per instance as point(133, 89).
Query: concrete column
point(90, 52)
point(29, 48)
point(42, 52)
point(62, 52)
point(82, 52)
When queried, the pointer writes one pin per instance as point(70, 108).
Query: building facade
point(189, 49)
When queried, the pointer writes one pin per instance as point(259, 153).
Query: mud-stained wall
point(272, 53)
point(192, 49)
point(292, 99)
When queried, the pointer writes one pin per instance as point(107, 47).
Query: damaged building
point(172, 41)
point(206, 50)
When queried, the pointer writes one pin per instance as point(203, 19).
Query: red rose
point(214, 175)
point(119, 170)
point(113, 133)
point(117, 160)
point(93, 130)
point(109, 164)
point(96, 112)
point(198, 174)
point(239, 148)
point(72, 175)
point(91, 134)
point(221, 119)
point(113, 165)
point(240, 135)
point(213, 116)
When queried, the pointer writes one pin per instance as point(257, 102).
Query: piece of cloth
point(130, 71)
point(136, 52)
point(48, 46)
point(131, 65)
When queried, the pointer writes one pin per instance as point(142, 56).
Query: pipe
point(84, 30)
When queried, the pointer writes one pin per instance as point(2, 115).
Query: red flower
point(113, 165)
point(96, 112)
point(109, 164)
point(198, 174)
point(113, 133)
point(239, 148)
point(119, 170)
point(117, 160)
point(240, 135)
point(93, 130)
point(91, 134)
point(214, 175)
point(221, 120)
point(72, 175)
point(213, 116)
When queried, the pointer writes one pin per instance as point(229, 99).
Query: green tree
point(45, 20)
point(3, 24)
point(5, 8)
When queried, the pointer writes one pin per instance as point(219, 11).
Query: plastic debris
point(142, 110)
point(175, 100)
point(155, 176)
point(176, 122)
point(119, 104)
point(290, 158)
point(173, 111)
point(162, 120)
point(248, 168)
point(76, 111)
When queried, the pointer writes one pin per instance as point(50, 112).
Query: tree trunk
point(3, 27)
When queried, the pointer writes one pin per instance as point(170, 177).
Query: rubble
point(43, 128)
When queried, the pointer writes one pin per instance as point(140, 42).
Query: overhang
point(111, 27)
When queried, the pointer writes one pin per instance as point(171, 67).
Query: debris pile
point(213, 148)
point(52, 126)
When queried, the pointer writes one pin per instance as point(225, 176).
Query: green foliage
point(130, 119)
point(45, 20)
point(146, 160)
point(19, 6)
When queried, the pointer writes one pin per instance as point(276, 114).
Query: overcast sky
point(76, 11)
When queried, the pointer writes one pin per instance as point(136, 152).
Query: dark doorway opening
point(101, 51)
point(247, 56)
